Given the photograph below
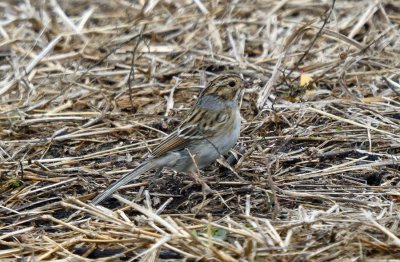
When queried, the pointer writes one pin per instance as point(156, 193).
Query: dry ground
point(88, 87)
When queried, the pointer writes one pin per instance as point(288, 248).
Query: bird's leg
point(196, 179)
point(194, 175)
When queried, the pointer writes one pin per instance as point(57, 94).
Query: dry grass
point(86, 87)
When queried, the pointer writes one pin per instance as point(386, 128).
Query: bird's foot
point(205, 188)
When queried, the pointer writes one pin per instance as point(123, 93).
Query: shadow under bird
point(210, 130)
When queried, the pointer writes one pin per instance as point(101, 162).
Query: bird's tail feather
point(124, 180)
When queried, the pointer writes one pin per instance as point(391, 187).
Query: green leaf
point(219, 233)
point(15, 181)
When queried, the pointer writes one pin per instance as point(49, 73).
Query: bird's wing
point(196, 127)
point(178, 140)
point(171, 142)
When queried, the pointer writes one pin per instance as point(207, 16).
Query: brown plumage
point(210, 129)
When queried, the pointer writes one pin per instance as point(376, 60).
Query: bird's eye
point(232, 83)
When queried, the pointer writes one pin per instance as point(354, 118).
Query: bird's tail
point(125, 180)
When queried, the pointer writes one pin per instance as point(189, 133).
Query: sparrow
point(210, 129)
